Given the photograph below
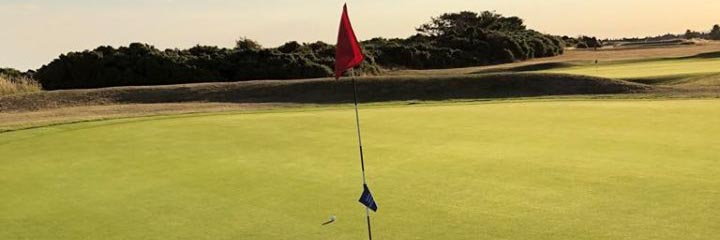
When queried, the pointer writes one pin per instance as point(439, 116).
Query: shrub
point(715, 32)
point(465, 39)
point(141, 64)
point(588, 42)
point(10, 72)
point(450, 40)
point(247, 44)
point(290, 47)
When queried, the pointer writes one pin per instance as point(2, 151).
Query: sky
point(33, 32)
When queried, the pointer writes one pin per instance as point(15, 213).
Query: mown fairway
point(519, 170)
point(647, 68)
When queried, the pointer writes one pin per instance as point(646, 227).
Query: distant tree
point(461, 22)
point(589, 42)
point(465, 39)
point(290, 47)
point(715, 32)
point(10, 72)
point(569, 41)
point(247, 44)
point(447, 23)
point(451, 40)
point(142, 64)
point(690, 34)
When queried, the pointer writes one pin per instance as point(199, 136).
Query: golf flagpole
point(362, 157)
point(348, 55)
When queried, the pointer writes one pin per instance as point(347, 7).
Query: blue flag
point(367, 199)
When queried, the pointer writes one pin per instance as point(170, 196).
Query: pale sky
point(33, 32)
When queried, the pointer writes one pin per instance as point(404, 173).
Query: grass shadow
point(528, 68)
point(680, 79)
point(561, 65)
point(326, 91)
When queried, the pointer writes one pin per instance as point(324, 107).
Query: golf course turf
point(707, 63)
point(613, 169)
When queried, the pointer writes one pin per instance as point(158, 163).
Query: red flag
point(347, 54)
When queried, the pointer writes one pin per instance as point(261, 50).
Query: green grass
point(518, 170)
point(651, 68)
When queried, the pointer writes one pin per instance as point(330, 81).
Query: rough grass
point(323, 91)
point(529, 170)
point(17, 85)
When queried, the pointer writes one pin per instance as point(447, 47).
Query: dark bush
point(588, 42)
point(140, 64)
point(451, 40)
point(10, 72)
point(465, 39)
point(715, 32)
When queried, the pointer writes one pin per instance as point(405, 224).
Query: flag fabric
point(347, 53)
point(367, 199)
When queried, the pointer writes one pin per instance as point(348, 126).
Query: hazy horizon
point(42, 30)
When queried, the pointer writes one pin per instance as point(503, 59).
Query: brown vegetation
point(10, 85)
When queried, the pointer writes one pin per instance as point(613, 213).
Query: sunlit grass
point(645, 68)
point(515, 170)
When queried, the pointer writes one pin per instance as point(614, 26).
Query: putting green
point(518, 170)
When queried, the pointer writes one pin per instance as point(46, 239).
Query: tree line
point(713, 34)
point(142, 64)
point(464, 39)
point(451, 40)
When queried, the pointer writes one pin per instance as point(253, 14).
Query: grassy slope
point(528, 170)
point(649, 68)
point(574, 56)
point(640, 65)
point(371, 89)
point(683, 75)
point(81, 105)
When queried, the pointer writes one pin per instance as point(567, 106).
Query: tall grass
point(10, 85)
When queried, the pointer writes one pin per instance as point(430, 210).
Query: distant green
point(519, 170)
point(645, 68)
